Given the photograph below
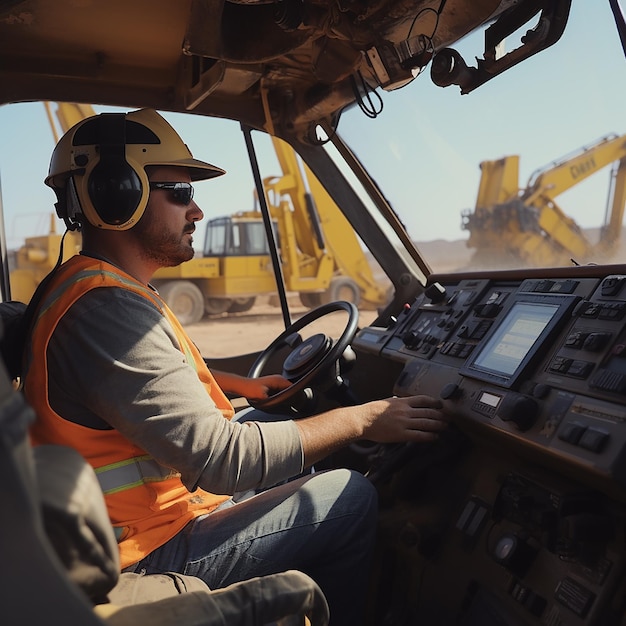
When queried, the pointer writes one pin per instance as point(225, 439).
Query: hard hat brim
point(198, 170)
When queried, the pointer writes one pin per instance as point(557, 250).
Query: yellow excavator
point(322, 259)
point(513, 227)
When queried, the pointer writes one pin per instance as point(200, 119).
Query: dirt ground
point(241, 333)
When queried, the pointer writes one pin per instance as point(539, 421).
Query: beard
point(166, 248)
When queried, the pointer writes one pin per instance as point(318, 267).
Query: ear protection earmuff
point(114, 188)
point(98, 168)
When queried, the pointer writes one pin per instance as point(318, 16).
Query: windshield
point(458, 169)
point(522, 172)
point(232, 279)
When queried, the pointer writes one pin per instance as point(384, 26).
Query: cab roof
point(281, 65)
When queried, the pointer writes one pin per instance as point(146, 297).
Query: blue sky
point(550, 105)
point(424, 148)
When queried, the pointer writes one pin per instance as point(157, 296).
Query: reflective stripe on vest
point(131, 473)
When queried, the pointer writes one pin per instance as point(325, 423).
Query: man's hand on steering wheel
point(264, 386)
point(311, 364)
point(251, 388)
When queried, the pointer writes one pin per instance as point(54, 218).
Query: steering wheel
point(309, 360)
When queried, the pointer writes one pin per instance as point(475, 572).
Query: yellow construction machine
point(322, 259)
point(513, 227)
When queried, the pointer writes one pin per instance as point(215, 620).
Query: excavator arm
point(612, 228)
point(526, 226)
point(67, 114)
point(318, 236)
point(557, 178)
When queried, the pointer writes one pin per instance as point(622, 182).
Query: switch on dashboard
point(572, 432)
point(612, 285)
point(594, 439)
point(596, 341)
point(584, 436)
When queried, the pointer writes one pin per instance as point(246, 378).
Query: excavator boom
point(557, 178)
point(516, 227)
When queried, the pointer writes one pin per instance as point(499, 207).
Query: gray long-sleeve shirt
point(128, 373)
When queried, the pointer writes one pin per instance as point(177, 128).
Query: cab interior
point(517, 514)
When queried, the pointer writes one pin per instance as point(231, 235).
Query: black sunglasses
point(181, 192)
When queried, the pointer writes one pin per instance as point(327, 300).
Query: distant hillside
point(449, 256)
point(445, 256)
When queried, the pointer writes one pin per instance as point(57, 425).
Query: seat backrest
point(12, 336)
point(35, 588)
point(17, 319)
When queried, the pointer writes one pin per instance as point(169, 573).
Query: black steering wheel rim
point(334, 353)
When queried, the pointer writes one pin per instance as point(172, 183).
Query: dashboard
point(541, 361)
point(532, 368)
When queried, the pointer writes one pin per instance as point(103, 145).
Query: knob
point(411, 338)
point(451, 391)
point(541, 390)
point(435, 292)
point(519, 409)
point(514, 553)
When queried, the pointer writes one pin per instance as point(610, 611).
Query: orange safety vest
point(147, 502)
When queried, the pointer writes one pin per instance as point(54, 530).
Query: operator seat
point(12, 336)
point(60, 561)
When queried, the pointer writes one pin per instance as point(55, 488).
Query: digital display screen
point(489, 399)
point(514, 338)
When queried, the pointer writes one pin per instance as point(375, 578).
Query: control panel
point(538, 361)
point(517, 516)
